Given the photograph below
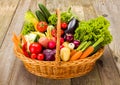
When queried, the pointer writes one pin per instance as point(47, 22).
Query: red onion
point(77, 43)
point(69, 37)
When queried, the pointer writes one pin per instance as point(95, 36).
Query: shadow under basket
point(60, 70)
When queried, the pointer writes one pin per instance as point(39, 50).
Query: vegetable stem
point(88, 44)
point(81, 45)
point(69, 9)
point(98, 42)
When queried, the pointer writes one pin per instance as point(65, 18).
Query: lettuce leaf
point(94, 29)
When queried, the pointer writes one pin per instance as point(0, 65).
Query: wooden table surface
point(12, 70)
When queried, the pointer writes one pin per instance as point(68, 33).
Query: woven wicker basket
point(58, 69)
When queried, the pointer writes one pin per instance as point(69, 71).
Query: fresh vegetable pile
point(78, 40)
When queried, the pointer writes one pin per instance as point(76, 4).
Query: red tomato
point(40, 56)
point(33, 56)
point(35, 48)
point(64, 25)
point(54, 32)
point(42, 26)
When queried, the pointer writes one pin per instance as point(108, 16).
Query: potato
point(65, 54)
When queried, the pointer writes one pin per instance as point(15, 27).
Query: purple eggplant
point(72, 25)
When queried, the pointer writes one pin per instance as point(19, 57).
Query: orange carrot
point(16, 42)
point(73, 52)
point(87, 52)
point(76, 55)
point(90, 49)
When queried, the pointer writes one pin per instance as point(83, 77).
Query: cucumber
point(44, 11)
point(40, 15)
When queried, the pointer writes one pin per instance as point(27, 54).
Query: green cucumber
point(40, 15)
point(44, 11)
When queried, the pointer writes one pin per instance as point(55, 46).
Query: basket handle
point(58, 36)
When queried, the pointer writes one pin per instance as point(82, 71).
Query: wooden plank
point(75, 5)
point(111, 8)
point(8, 74)
point(108, 71)
point(20, 76)
point(93, 77)
point(5, 18)
point(44, 81)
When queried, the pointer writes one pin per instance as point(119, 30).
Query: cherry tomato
point(26, 54)
point(40, 56)
point(64, 25)
point(33, 56)
point(42, 26)
point(35, 48)
point(54, 32)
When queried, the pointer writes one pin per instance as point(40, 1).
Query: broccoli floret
point(27, 28)
point(52, 19)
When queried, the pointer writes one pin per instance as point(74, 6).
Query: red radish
point(35, 48)
point(40, 56)
point(61, 41)
point(51, 44)
point(44, 41)
point(33, 56)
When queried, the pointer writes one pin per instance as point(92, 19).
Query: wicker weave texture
point(50, 69)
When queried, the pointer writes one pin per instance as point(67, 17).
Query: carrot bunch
point(84, 50)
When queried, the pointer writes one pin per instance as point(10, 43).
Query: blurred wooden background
point(12, 71)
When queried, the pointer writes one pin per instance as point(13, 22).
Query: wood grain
point(12, 70)
point(7, 9)
point(109, 68)
point(44, 81)
point(63, 5)
point(111, 8)
point(91, 78)
point(25, 78)
point(8, 59)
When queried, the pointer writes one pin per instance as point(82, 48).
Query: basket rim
point(91, 58)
